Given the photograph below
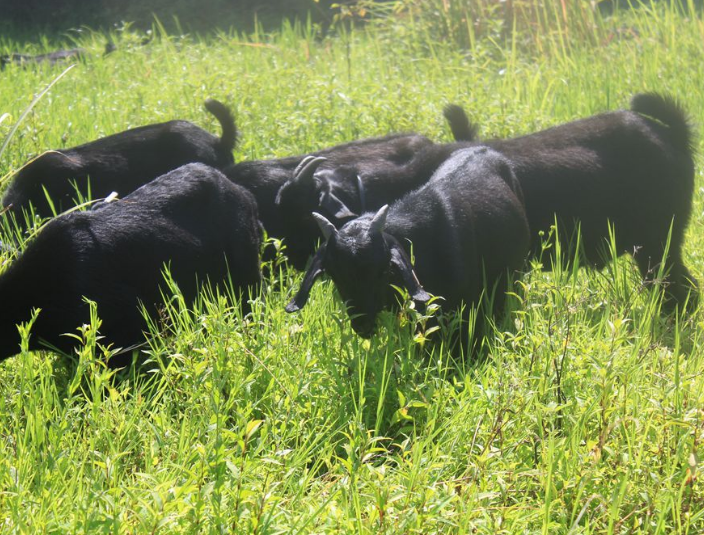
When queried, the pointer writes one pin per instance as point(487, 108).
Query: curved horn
point(306, 169)
point(327, 228)
point(301, 178)
point(314, 271)
point(400, 260)
point(379, 220)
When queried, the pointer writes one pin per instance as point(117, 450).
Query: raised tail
point(222, 113)
point(667, 111)
point(462, 128)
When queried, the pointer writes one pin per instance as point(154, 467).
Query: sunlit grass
point(582, 414)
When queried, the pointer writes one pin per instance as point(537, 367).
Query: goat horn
point(303, 163)
point(362, 195)
point(306, 169)
point(379, 220)
point(327, 228)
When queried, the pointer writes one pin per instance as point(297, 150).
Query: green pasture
point(582, 414)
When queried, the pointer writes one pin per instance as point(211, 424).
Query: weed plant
point(582, 413)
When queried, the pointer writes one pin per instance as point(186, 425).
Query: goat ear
point(335, 206)
point(314, 271)
point(400, 260)
point(306, 169)
point(327, 228)
point(379, 220)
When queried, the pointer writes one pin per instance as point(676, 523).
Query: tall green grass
point(582, 416)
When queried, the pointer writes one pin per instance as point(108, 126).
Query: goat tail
point(666, 110)
point(222, 113)
point(462, 129)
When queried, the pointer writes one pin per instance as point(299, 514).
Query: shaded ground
point(23, 21)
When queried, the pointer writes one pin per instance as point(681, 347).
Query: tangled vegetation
point(582, 413)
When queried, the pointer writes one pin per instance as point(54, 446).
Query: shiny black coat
point(118, 163)
point(467, 229)
point(632, 169)
point(193, 219)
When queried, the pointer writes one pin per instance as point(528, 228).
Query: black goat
point(121, 162)
point(467, 227)
point(286, 196)
point(192, 219)
point(632, 168)
point(339, 182)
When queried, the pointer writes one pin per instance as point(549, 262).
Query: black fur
point(632, 168)
point(467, 227)
point(192, 218)
point(375, 171)
point(462, 129)
point(121, 162)
point(285, 206)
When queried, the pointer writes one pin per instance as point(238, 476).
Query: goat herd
point(469, 212)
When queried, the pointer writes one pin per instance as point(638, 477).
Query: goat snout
point(364, 325)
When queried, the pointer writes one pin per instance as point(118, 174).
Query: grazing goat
point(121, 162)
point(632, 169)
point(340, 182)
point(287, 192)
point(192, 219)
point(467, 227)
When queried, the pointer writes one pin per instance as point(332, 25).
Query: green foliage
point(582, 412)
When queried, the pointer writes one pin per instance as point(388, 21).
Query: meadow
point(583, 412)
